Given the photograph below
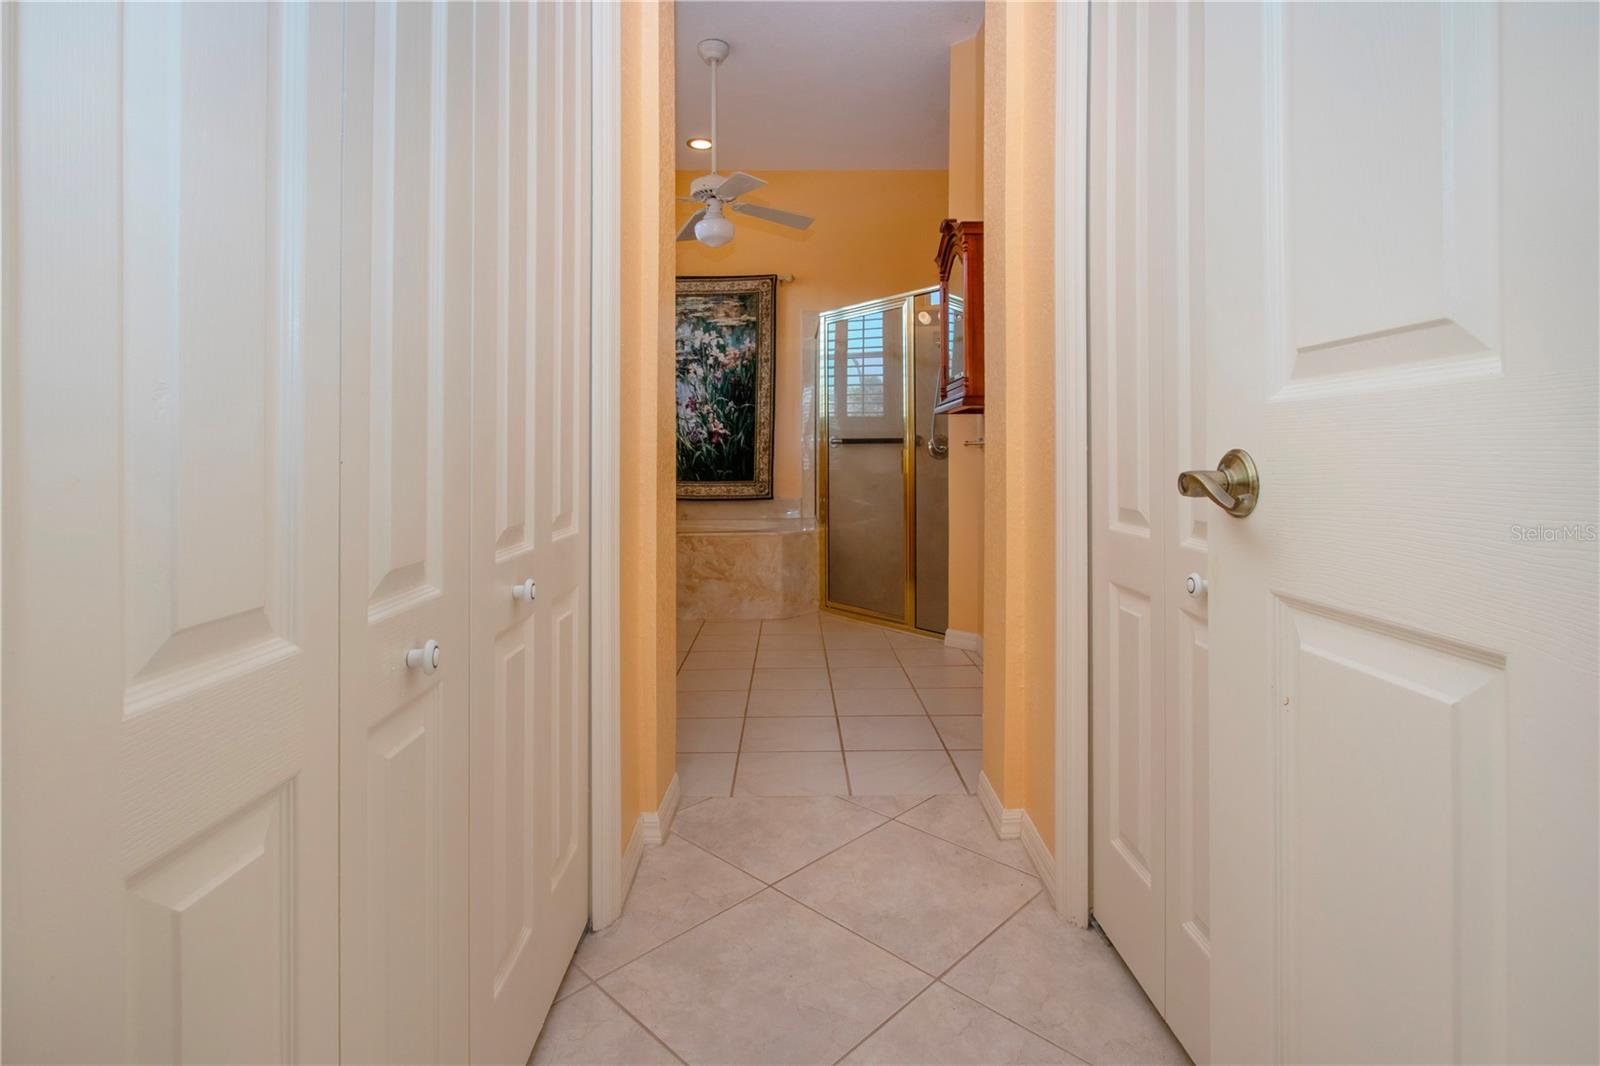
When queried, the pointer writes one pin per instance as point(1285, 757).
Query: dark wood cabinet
point(961, 313)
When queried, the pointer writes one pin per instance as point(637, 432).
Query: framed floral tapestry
point(726, 348)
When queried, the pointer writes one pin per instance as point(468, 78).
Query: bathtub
point(746, 566)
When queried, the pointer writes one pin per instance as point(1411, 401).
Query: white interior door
point(403, 567)
point(1149, 637)
point(1131, 298)
point(1401, 234)
point(171, 352)
point(530, 518)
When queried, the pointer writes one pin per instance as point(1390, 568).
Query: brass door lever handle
point(1233, 486)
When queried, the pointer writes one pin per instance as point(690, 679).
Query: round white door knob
point(426, 657)
point(524, 591)
point(1195, 585)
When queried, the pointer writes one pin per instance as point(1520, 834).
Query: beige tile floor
point(821, 705)
point(824, 929)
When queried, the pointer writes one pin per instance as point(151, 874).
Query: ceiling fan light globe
point(713, 231)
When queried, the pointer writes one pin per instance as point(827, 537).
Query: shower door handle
point(834, 442)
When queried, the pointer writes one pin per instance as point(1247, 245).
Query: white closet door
point(530, 518)
point(1148, 369)
point(171, 352)
point(403, 565)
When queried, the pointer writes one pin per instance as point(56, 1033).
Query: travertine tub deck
point(747, 573)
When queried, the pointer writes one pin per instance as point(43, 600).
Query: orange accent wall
point(1019, 474)
point(648, 486)
point(875, 234)
point(966, 464)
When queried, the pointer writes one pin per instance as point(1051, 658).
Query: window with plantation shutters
point(863, 370)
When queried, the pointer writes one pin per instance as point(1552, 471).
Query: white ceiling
point(823, 84)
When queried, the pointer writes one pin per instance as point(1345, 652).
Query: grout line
point(984, 1006)
point(773, 885)
point(689, 929)
point(768, 887)
point(963, 847)
point(932, 978)
point(875, 1029)
point(636, 1021)
point(812, 862)
point(744, 718)
point(971, 789)
point(940, 980)
point(809, 862)
point(776, 887)
point(987, 937)
point(951, 758)
point(838, 725)
point(893, 817)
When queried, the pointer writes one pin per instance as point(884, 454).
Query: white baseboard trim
point(1007, 824)
point(1044, 864)
point(657, 824)
point(960, 638)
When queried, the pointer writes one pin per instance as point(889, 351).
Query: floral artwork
point(724, 344)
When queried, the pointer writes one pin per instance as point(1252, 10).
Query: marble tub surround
point(835, 930)
point(748, 573)
point(818, 704)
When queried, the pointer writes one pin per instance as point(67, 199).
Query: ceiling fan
point(718, 194)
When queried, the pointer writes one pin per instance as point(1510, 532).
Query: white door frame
point(1072, 461)
point(606, 888)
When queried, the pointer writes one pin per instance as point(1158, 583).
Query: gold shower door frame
point(906, 302)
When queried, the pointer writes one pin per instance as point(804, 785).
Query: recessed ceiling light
point(700, 144)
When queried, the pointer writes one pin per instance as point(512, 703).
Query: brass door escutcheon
point(1233, 486)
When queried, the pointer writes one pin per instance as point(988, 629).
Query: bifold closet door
point(530, 517)
point(1149, 638)
point(171, 353)
point(403, 563)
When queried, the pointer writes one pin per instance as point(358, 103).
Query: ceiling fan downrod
point(713, 50)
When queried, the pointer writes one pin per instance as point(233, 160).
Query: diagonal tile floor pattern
point(822, 705)
point(819, 929)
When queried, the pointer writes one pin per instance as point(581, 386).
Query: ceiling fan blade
point(687, 232)
point(737, 185)
point(772, 214)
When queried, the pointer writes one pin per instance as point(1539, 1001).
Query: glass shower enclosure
point(882, 472)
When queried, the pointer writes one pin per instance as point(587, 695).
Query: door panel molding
point(1463, 334)
point(171, 357)
point(529, 715)
point(1148, 369)
point(406, 434)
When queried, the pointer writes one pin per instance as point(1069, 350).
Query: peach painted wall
point(648, 485)
point(876, 234)
point(966, 464)
point(1019, 336)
